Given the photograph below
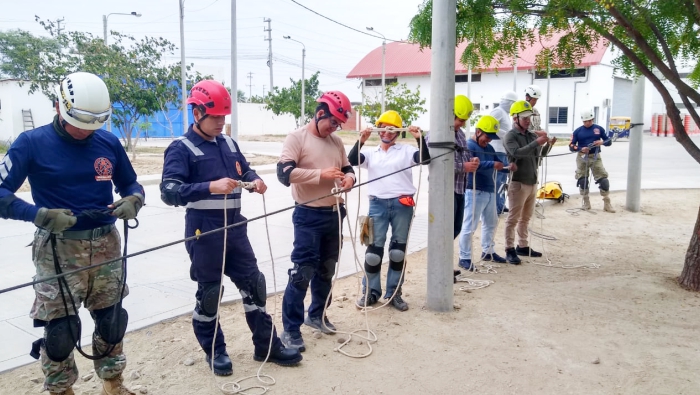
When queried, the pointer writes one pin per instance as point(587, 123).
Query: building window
point(477, 106)
point(378, 81)
point(558, 115)
point(476, 77)
point(567, 73)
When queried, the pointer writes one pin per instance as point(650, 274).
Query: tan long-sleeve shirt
point(312, 154)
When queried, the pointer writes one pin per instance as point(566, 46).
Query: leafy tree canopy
point(399, 98)
point(288, 100)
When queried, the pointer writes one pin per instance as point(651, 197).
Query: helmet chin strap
point(196, 122)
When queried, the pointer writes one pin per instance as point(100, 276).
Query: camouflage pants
point(586, 163)
point(95, 289)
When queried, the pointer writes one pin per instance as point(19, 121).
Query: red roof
point(404, 59)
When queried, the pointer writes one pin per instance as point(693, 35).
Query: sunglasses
point(84, 116)
point(334, 123)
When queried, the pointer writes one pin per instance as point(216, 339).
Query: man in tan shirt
point(313, 162)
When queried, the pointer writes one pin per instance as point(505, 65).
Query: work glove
point(128, 207)
point(366, 230)
point(55, 220)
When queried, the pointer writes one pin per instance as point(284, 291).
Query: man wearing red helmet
point(313, 162)
point(202, 171)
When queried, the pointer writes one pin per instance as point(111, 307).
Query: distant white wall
point(14, 99)
point(255, 120)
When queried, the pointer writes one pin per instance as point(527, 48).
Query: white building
point(592, 85)
point(20, 111)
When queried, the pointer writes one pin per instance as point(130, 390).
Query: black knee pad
point(110, 323)
point(372, 265)
point(328, 269)
point(397, 253)
point(301, 275)
point(209, 298)
point(257, 287)
point(582, 183)
point(603, 184)
point(61, 335)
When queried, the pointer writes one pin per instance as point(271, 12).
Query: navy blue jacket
point(484, 174)
point(584, 136)
point(194, 162)
point(65, 174)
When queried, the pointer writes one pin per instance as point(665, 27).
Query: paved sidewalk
point(159, 281)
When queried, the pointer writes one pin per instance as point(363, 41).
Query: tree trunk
point(690, 277)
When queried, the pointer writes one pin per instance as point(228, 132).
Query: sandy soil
point(624, 328)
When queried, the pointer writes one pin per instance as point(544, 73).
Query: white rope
point(234, 387)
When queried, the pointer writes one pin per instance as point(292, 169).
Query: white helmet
point(510, 95)
point(587, 115)
point(83, 101)
point(533, 91)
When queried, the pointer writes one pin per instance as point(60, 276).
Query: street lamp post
point(383, 60)
point(104, 28)
point(303, 97)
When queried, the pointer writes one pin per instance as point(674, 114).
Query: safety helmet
point(533, 91)
point(338, 104)
point(390, 117)
point(587, 114)
point(211, 97)
point(521, 108)
point(489, 125)
point(510, 96)
point(83, 101)
point(463, 107)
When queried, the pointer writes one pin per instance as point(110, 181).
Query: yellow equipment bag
point(552, 190)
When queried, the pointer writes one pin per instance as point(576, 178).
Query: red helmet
point(211, 96)
point(338, 104)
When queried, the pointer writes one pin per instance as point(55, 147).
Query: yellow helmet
point(463, 107)
point(390, 117)
point(489, 125)
point(520, 107)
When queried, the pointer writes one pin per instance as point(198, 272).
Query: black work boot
point(512, 256)
point(222, 364)
point(282, 356)
point(527, 251)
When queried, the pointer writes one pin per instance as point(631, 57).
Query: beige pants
point(521, 202)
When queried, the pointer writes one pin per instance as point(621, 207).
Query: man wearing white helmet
point(502, 114)
point(532, 94)
point(72, 165)
point(587, 140)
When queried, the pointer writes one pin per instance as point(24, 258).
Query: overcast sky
point(330, 48)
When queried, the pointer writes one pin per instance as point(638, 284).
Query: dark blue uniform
point(191, 163)
point(583, 137)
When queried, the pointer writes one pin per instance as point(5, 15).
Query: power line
point(339, 23)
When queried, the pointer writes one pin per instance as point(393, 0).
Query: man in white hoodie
point(502, 114)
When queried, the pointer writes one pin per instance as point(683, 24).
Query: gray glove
point(55, 220)
point(128, 207)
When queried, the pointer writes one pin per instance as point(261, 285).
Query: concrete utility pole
point(468, 125)
point(515, 72)
point(634, 160)
point(546, 112)
point(250, 85)
point(59, 29)
point(303, 56)
point(264, 90)
point(234, 74)
point(269, 58)
point(441, 199)
point(383, 63)
point(183, 69)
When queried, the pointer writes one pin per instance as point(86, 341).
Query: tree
point(398, 98)
point(650, 38)
point(256, 99)
point(288, 100)
point(139, 82)
point(241, 96)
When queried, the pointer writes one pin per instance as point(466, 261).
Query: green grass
point(4, 146)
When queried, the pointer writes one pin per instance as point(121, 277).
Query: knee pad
point(328, 269)
point(397, 251)
point(110, 323)
point(61, 335)
point(258, 289)
point(603, 184)
point(209, 298)
point(301, 275)
point(373, 259)
point(582, 183)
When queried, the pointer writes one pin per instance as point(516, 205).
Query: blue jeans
point(501, 179)
point(458, 214)
point(484, 207)
point(386, 212)
point(315, 253)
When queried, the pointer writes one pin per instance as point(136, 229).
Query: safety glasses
point(334, 124)
point(84, 116)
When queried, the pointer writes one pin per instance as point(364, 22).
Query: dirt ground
point(623, 328)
